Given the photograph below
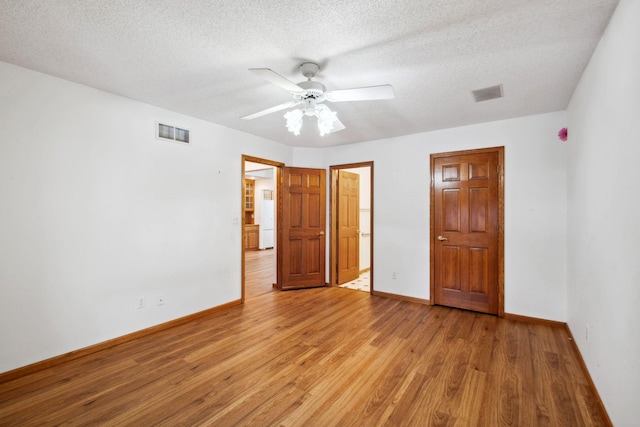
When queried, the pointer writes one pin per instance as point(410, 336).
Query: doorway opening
point(259, 225)
point(351, 223)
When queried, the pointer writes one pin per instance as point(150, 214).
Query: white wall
point(535, 211)
point(95, 213)
point(604, 215)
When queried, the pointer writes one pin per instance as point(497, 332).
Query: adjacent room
point(361, 213)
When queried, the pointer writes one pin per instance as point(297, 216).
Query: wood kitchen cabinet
point(249, 200)
point(251, 237)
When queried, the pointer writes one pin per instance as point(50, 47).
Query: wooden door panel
point(294, 179)
point(451, 267)
point(479, 170)
point(451, 209)
point(353, 260)
point(303, 229)
point(316, 182)
point(450, 173)
point(465, 197)
point(478, 270)
point(343, 252)
point(314, 215)
point(478, 210)
point(295, 210)
point(343, 214)
point(313, 256)
point(295, 257)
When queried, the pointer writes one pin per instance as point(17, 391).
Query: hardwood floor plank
point(468, 407)
point(358, 402)
point(325, 356)
point(260, 272)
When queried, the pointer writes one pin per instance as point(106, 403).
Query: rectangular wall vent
point(487, 93)
point(172, 133)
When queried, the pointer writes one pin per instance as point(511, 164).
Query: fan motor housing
point(312, 89)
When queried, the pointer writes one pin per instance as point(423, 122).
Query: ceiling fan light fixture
point(326, 119)
point(294, 121)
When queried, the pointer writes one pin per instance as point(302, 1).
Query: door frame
point(333, 223)
point(432, 246)
point(278, 183)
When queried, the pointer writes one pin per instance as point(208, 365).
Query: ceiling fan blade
point(276, 79)
point(271, 110)
point(361, 94)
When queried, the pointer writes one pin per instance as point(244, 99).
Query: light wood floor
point(319, 357)
point(260, 272)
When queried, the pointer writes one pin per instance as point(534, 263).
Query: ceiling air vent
point(172, 133)
point(487, 93)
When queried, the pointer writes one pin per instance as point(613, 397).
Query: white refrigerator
point(267, 226)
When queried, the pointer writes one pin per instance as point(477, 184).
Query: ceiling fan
point(310, 95)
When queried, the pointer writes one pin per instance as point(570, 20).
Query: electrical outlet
point(394, 275)
point(161, 299)
point(141, 302)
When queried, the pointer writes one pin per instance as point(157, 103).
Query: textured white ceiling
point(192, 56)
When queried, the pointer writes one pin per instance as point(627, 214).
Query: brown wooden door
point(348, 206)
point(252, 237)
point(466, 228)
point(303, 228)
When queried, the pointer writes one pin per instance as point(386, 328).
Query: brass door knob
point(442, 239)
